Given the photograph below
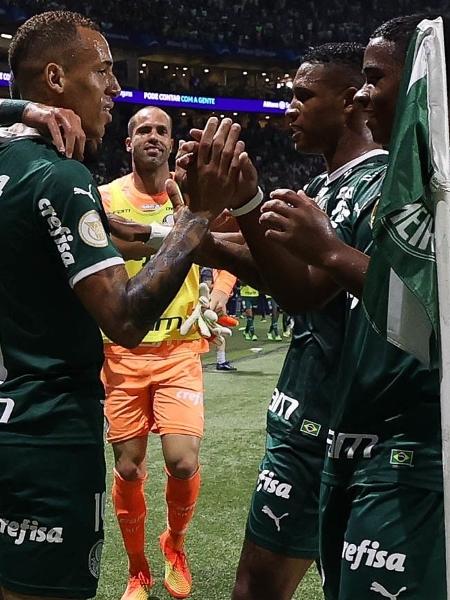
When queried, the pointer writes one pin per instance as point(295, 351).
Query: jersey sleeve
point(354, 202)
point(68, 208)
point(224, 282)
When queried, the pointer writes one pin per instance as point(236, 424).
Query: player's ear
point(55, 77)
point(128, 144)
point(349, 95)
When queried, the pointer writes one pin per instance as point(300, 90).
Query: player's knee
point(183, 467)
point(243, 589)
point(130, 469)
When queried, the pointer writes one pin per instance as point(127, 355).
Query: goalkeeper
point(158, 386)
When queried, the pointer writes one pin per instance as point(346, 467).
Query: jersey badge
point(91, 230)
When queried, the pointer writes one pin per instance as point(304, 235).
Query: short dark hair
point(346, 54)
point(400, 29)
point(48, 30)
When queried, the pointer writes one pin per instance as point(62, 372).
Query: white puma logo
point(77, 190)
point(377, 587)
point(266, 510)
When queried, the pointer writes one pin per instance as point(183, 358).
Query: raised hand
point(294, 221)
point(213, 176)
point(248, 177)
point(61, 124)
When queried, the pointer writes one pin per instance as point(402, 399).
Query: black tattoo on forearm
point(154, 287)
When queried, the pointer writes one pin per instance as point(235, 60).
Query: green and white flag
point(401, 290)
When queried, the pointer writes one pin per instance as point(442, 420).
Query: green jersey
point(52, 235)
point(301, 402)
point(385, 423)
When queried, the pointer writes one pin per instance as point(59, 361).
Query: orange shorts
point(152, 389)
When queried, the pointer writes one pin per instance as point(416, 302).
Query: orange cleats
point(138, 587)
point(177, 577)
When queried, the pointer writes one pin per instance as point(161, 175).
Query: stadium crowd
point(246, 23)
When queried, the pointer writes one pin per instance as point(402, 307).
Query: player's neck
point(151, 182)
point(348, 148)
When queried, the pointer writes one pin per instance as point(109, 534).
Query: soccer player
point(249, 303)
point(60, 279)
point(159, 385)
point(382, 521)
point(282, 534)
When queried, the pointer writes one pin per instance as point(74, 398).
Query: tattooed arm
point(127, 308)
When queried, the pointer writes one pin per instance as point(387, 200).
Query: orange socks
point(129, 504)
point(181, 497)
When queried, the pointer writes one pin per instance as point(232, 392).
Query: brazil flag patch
point(402, 458)
point(310, 428)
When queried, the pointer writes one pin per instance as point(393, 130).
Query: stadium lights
point(289, 84)
point(183, 114)
point(263, 74)
point(267, 117)
point(6, 36)
point(185, 68)
point(166, 66)
point(205, 70)
point(286, 75)
point(235, 114)
point(267, 79)
point(244, 72)
point(141, 71)
point(144, 64)
point(184, 74)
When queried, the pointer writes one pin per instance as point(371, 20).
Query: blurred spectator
point(246, 23)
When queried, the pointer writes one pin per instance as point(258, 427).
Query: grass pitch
point(235, 405)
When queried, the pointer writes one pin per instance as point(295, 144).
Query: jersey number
point(100, 500)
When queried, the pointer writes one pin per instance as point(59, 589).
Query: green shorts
point(384, 540)
point(51, 519)
point(284, 510)
point(249, 302)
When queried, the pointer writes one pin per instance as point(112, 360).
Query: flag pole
point(440, 141)
point(442, 236)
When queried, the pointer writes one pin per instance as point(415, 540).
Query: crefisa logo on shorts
point(30, 530)
point(267, 482)
point(369, 554)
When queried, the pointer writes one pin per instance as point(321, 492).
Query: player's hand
point(61, 124)
point(212, 177)
point(294, 221)
point(248, 176)
point(175, 196)
point(128, 231)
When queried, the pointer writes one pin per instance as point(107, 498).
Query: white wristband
point(157, 235)
point(248, 206)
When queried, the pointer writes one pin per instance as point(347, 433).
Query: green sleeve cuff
point(11, 111)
